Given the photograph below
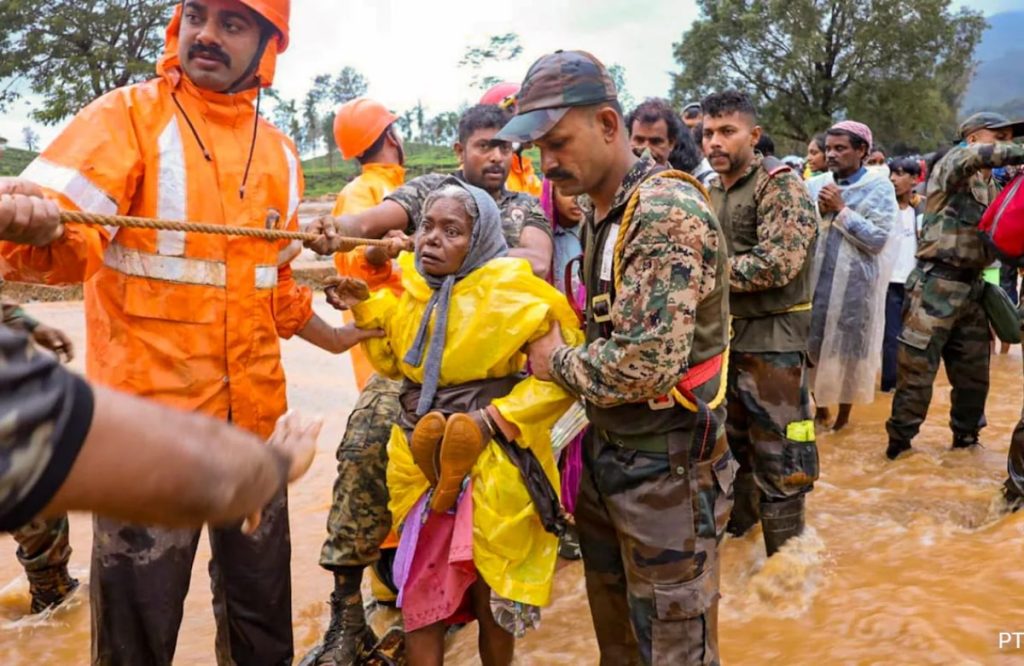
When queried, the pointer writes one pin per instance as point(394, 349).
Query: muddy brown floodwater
point(903, 562)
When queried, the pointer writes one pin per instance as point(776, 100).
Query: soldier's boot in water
point(896, 448)
point(965, 440)
point(49, 587)
point(348, 639)
point(746, 511)
point(1013, 497)
point(781, 521)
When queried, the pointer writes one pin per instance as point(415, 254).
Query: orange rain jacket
point(522, 177)
point(366, 191)
point(191, 320)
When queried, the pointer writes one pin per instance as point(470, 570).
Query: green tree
point(348, 85)
point(618, 74)
point(901, 66)
point(30, 137)
point(69, 53)
point(498, 49)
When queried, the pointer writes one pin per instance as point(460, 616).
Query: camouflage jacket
point(771, 226)
point(670, 259)
point(518, 210)
point(46, 412)
point(957, 196)
point(786, 228)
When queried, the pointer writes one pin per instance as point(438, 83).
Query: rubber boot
point(1014, 500)
point(462, 444)
point(965, 441)
point(348, 639)
point(781, 521)
point(895, 448)
point(50, 587)
point(746, 511)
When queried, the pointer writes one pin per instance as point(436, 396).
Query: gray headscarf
point(486, 242)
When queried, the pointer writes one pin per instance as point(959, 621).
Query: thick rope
point(619, 251)
point(194, 227)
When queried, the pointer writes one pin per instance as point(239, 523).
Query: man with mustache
point(657, 485)
point(360, 493)
point(770, 226)
point(189, 320)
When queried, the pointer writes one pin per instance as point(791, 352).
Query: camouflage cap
point(990, 120)
point(553, 85)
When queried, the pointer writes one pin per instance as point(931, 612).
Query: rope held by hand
point(195, 227)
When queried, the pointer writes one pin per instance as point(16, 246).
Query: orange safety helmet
point(358, 124)
point(502, 94)
point(277, 13)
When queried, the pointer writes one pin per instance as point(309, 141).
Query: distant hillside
point(14, 161)
point(998, 83)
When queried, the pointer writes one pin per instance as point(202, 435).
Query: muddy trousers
point(43, 544)
point(943, 322)
point(359, 520)
point(140, 576)
point(770, 430)
point(649, 534)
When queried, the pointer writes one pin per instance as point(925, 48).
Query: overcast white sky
point(409, 49)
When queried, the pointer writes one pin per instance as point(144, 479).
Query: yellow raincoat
point(494, 312)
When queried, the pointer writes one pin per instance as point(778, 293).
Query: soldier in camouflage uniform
point(43, 547)
point(770, 226)
point(943, 319)
point(359, 520)
point(657, 487)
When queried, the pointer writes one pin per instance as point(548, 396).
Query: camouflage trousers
point(43, 544)
point(943, 321)
point(770, 424)
point(359, 519)
point(649, 532)
point(140, 576)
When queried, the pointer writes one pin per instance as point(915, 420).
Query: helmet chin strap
point(244, 82)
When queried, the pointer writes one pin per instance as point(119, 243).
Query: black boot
point(348, 639)
point(965, 441)
point(746, 509)
point(50, 587)
point(781, 521)
point(1014, 500)
point(895, 448)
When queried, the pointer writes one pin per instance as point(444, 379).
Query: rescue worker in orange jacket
point(521, 176)
point(190, 320)
point(358, 524)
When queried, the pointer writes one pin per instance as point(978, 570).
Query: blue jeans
point(893, 324)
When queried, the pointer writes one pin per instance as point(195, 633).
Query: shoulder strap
point(774, 166)
point(627, 216)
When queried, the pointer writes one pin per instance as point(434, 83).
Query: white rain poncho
point(851, 274)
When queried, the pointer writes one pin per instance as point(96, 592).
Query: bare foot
point(822, 416)
point(843, 418)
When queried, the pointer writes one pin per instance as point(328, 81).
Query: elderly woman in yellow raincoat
point(456, 337)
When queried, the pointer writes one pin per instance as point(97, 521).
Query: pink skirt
point(434, 565)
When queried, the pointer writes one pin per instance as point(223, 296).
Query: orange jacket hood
point(169, 65)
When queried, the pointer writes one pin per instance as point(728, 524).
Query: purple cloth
point(407, 545)
point(572, 472)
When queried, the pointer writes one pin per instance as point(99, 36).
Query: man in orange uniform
point(190, 320)
point(358, 525)
point(521, 176)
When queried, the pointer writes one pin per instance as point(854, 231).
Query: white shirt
point(906, 230)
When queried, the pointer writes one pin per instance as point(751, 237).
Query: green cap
point(990, 120)
point(553, 85)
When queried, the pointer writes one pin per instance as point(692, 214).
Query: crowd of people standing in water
point(618, 362)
